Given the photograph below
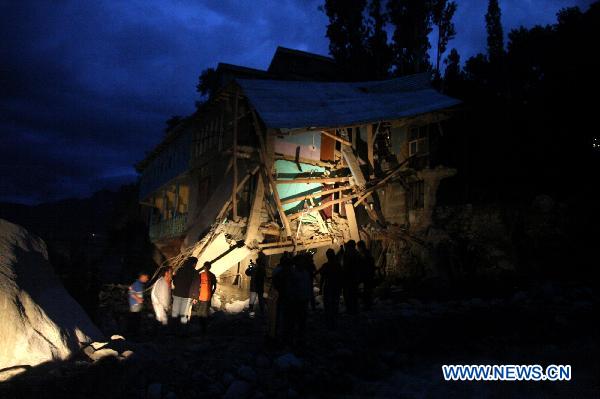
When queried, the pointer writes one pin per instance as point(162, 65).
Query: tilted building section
point(275, 165)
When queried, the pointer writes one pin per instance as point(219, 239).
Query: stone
point(102, 353)
point(288, 361)
point(238, 390)
point(154, 391)
point(40, 321)
point(247, 373)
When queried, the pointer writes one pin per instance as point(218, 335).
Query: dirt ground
point(395, 350)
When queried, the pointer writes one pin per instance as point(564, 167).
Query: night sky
point(87, 85)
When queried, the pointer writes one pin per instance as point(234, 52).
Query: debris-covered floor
point(394, 350)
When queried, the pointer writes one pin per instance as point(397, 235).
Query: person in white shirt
point(161, 297)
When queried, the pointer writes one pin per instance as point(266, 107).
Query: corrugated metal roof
point(297, 104)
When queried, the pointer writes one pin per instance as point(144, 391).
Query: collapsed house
point(289, 159)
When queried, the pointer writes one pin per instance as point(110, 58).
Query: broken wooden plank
point(234, 157)
point(290, 247)
point(309, 180)
point(267, 171)
point(370, 140)
point(351, 218)
point(315, 195)
point(255, 212)
point(337, 138)
point(354, 165)
point(305, 160)
point(322, 206)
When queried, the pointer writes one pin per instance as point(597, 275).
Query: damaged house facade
point(289, 159)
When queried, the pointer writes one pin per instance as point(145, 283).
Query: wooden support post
point(234, 157)
point(370, 140)
point(355, 132)
point(269, 176)
point(256, 211)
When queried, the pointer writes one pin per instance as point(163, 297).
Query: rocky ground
point(394, 350)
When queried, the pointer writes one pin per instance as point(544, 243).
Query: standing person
point(161, 297)
point(277, 294)
point(350, 266)
point(298, 291)
point(136, 302)
point(207, 288)
point(331, 286)
point(367, 265)
point(183, 279)
point(257, 273)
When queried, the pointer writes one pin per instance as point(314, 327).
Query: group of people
point(340, 276)
point(292, 290)
point(175, 294)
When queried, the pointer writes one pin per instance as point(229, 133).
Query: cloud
point(87, 86)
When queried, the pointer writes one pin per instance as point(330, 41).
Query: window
point(418, 141)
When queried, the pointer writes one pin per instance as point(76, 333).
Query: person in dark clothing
point(331, 286)
point(183, 294)
point(277, 294)
point(203, 290)
point(257, 273)
point(298, 292)
point(136, 302)
point(350, 267)
point(367, 271)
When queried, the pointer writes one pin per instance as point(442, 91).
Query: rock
point(117, 337)
point(127, 354)
point(154, 391)
point(227, 379)
point(262, 361)
point(40, 320)
point(238, 390)
point(288, 362)
point(102, 353)
point(247, 373)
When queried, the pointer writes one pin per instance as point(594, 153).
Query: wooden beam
point(370, 156)
point(234, 158)
point(301, 247)
point(315, 195)
point(351, 218)
point(322, 206)
point(255, 212)
point(305, 160)
point(267, 171)
point(309, 180)
point(239, 188)
point(333, 136)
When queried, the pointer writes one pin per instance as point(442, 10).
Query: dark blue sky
point(87, 85)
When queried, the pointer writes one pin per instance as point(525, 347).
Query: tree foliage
point(442, 14)
point(495, 33)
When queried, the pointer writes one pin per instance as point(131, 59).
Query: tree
point(208, 82)
point(495, 34)
point(453, 75)
point(380, 52)
point(412, 24)
point(347, 32)
point(172, 122)
point(442, 14)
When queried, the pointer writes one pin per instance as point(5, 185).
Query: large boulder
point(40, 321)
